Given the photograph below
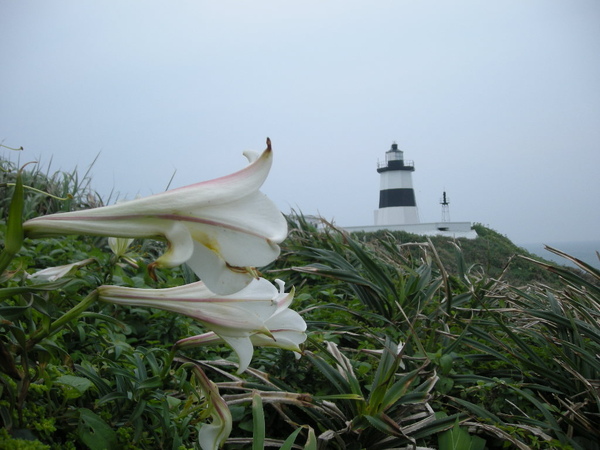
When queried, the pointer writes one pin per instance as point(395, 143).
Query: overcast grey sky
point(496, 102)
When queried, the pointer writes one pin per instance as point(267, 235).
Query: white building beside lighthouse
point(398, 203)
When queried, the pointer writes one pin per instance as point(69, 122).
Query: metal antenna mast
point(445, 202)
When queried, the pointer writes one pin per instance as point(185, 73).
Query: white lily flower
point(54, 273)
point(221, 228)
point(236, 318)
point(287, 330)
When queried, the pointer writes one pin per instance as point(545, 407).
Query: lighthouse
point(397, 202)
point(398, 205)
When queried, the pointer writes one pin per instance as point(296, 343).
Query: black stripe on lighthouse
point(397, 197)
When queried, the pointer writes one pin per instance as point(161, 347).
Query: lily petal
point(244, 349)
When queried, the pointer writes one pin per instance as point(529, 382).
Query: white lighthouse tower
point(397, 202)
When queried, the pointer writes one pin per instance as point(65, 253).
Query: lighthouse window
point(394, 156)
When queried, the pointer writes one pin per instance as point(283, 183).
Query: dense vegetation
point(413, 343)
point(494, 253)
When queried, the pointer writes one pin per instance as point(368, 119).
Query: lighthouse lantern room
point(397, 202)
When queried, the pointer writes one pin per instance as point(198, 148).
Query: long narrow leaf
point(289, 442)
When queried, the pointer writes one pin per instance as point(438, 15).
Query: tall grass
point(411, 345)
point(48, 191)
point(515, 364)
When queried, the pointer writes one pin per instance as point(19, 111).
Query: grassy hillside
point(491, 252)
point(438, 344)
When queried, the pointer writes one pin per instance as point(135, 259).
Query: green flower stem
point(73, 313)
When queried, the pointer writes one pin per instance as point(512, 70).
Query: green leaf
point(12, 291)
point(14, 312)
point(311, 442)
point(441, 423)
point(398, 389)
point(74, 387)
point(458, 438)
point(289, 442)
point(340, 397)
point(151, 383)
point(101, 384)
point(140, 408)
point(444, 385)
point(445, 363)
point(384, 424)
point(14, 226)
point(94, 432)
point(479, 411)
point(334, 377)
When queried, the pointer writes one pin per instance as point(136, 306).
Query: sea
point(583, 250)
